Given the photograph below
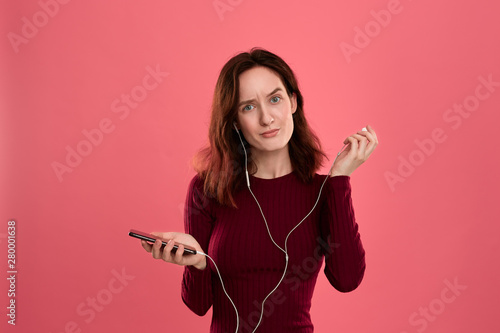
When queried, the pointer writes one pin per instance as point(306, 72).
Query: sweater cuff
point(340, 182)
point(195, 272)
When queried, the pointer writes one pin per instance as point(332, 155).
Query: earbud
point(235, 127)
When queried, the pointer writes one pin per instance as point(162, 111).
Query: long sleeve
point(343, 250)
point(196, 291)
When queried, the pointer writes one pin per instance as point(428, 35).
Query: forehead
point(258, 80)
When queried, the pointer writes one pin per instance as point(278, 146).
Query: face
point(262, 98)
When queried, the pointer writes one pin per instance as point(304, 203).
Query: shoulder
point(196, 190)
point(197, 201)
point(196, 182)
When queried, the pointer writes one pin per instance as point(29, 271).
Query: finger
point(360, 137)
point(373, 141)
point(362, 142)
point(365, 145)
point(167, 251)
point(353, 143)
point(352, 151)
point(366, 134)
point(370, 148)
point(148, 247)
point(361, 154)
point(372, 132)
point(156, 249)
point(178, 255)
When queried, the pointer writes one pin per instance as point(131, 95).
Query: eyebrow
point(252, 100)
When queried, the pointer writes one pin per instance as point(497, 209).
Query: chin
point(272, 148)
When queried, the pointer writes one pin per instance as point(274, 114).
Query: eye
point(248, 108)
point(275, 99)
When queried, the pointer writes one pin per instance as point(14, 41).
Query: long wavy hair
point(221, 164)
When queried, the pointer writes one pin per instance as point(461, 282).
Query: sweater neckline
point(269, 180)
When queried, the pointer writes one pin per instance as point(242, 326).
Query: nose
point(265, 118)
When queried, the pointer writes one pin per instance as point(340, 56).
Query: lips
point(270, 133)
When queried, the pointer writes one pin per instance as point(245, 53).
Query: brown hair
point(221, 165)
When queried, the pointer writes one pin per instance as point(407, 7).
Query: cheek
point(286, 114)
point(245, 123)
point(285, 109)
point(242, 121)
point(246, 126)
point(290, 124)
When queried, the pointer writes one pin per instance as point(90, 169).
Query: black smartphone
point(152, 238)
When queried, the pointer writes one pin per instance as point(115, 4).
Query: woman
point(258, 209)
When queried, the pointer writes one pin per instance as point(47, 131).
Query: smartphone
point(152, 238)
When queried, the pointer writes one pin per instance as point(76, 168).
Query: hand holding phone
point(180, 240)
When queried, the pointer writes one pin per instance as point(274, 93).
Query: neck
point(272, 164)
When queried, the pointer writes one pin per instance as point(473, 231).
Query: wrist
point(333, 174)
point(201, 265)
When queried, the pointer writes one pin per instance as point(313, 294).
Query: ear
point(293, 102)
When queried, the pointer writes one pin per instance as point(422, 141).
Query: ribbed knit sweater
point(251, 265)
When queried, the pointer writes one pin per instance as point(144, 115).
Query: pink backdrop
point(103, 104)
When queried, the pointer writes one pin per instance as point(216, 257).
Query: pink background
point(437, 223)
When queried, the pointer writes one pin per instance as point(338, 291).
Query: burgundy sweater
point(251, 265)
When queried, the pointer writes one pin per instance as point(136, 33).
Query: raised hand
point(360, 146)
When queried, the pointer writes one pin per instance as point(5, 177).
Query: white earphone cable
point(269, 232)
point(223, 288)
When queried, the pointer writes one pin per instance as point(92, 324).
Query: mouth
point(271, 133)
